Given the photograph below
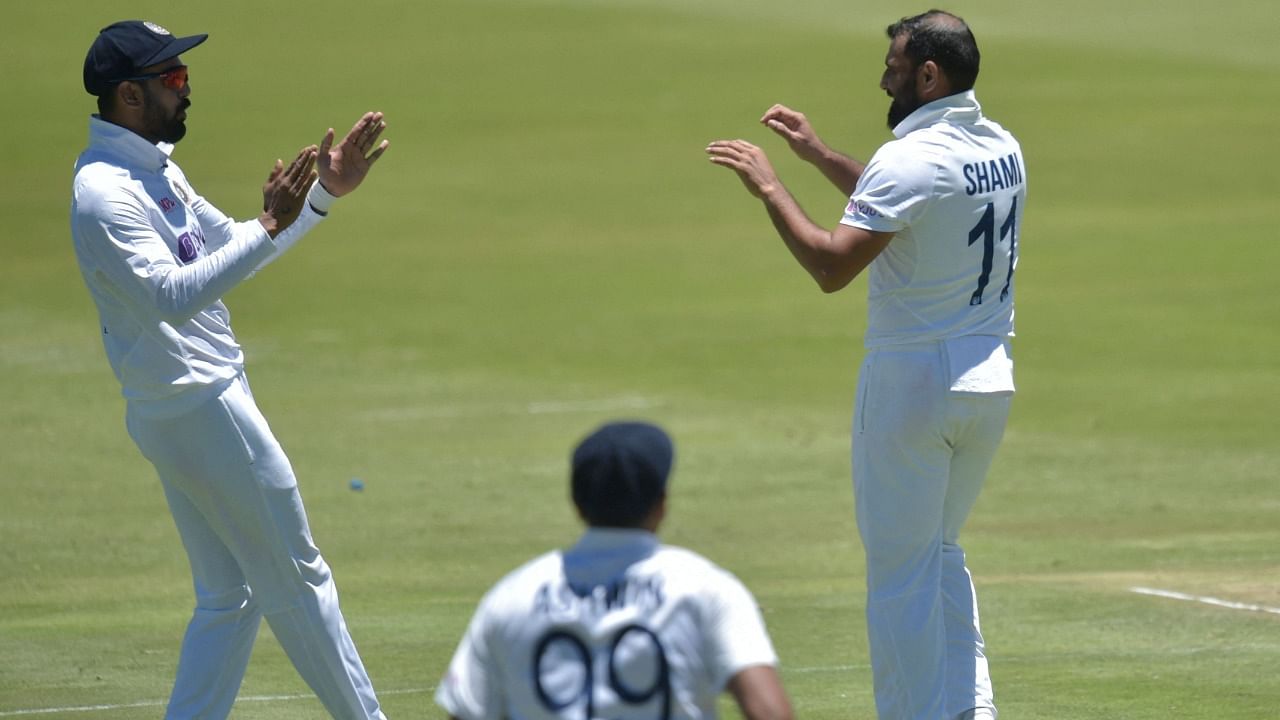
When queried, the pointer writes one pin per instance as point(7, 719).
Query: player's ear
point(925, 73)
point(129, 94)
point(657, 514)
point(931, 82)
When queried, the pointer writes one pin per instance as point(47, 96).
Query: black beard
point(904, 103)
point(171, 129)
point(174, 131)
point(161, 127)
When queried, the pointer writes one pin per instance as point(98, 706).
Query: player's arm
point(832, 257)
point(842, 170)
point(341, 169)
point(115, 231)
point(284, 197)
point(471, 688)
point(739, 652)
point(759, 694)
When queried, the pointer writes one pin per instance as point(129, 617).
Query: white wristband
point(319, 198)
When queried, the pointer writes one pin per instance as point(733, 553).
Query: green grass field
point(545, 247)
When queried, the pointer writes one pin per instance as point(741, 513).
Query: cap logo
point(156, 28)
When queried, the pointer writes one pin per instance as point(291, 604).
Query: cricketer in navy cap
point(620, 473)
point(123, 49)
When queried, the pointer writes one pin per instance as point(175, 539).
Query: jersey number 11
point(986, 230)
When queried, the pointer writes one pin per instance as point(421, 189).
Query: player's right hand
point(750, 162)
point(344, 166)
point(285, 191)
point(794, 127)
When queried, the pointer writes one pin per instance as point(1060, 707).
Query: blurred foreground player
point(619, 625)
point(157, 258)
point(934, 218)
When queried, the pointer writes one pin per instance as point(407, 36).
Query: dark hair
point(107, 100)
point(944, 38)
point(620, 473)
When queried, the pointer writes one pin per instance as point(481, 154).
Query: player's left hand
point(795, 128)
point(749, 161)
point(285, 192)
point(342, 167)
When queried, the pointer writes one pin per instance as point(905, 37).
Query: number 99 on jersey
point(626, 677)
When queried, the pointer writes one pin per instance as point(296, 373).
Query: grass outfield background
point(545, 247)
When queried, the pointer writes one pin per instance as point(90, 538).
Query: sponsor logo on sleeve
point(861, 207)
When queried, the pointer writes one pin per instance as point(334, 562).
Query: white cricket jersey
point(157, 258)
point(618, 626)
point(953, 187)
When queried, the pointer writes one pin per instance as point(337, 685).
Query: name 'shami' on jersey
point(991, 175)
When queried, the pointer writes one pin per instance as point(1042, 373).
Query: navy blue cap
point(620, 473)
point(123, 49)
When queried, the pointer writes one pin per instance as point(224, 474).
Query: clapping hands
point(343, 167)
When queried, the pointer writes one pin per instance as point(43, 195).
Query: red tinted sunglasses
point(175, 78)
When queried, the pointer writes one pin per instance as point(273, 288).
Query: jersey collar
point(961, 109)
point(602, 555)
point(128, 145)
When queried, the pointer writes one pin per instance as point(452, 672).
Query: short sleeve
point(893, 190)
point(472, 687)
point(736, 633)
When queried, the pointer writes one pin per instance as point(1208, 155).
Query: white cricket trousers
point(920, 455)
point(235, 501)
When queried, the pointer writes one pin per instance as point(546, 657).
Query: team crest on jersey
point(180, 192)
point(156, 28)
